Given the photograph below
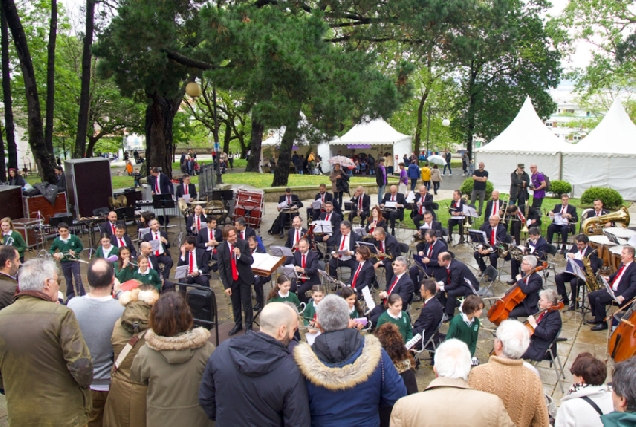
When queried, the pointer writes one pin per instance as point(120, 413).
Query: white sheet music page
point(264, 261)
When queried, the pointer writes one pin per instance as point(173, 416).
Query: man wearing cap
point(519, 184)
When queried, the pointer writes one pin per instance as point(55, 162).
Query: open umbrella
point(343, 161)
point(436, 159)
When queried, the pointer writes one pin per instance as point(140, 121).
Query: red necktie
point(448, 273)
point(422, 205)
point(430, 251)
point(303, 263)
point(618, 274)
point(494, 207)
point(327, 217)
point(121, 243)
point(392, 285)
point(598, 213)
point(297, 236)
point(191, 263)
point(360, 203)
point(322, 198)
point(157, 190)
point(198, 224)
point(492, 237)
point(156, 238)
point(344, 237)
point(355, 276)
point(233, 264)
point(211, 239)
point(393, 198)
point(113, 228)
point(185, 186)
point(563, 209)
point(540, 317)
point(382, 246)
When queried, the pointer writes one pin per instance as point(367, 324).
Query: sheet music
point(283, 204)
point(279, 251)
point(632, 241)
point(142, 232)
point(610, 291)
point(186, 198)
point(468, 211)
point(265, 261)
point(410, 198)
point(360, 231)
point(390, 204)
point(316, 204)
point(371, 246)
point(323, 226)
point(181, 272)
point(575, 268)
point(559, 220)
point(366, 293)
point(289, 271)
point(362, 320)
point(424, 226)
point(156, 245)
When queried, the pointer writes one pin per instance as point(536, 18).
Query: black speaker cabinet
point(88, 185)
point(11, 201)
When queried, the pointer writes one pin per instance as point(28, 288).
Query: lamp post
point(445, 123)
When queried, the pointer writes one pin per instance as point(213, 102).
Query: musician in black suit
point(456, 208)
point(530, 284)
point(121, 239)
point(243, 230)
point(568, 212)
point(235, 271)
point(342, 240)
point(579, 251)
point(323, 196)
point(208, 240)
point(109, 227)
point(375, 220)
point(295, 233)
point(494, 206)
point(293, 204)
point(423, 203)
point(546, 326)
point(536, 246)
point(394, 213)
point(515, 215)
point(196, 221)
point(259, 281)
point(197, 262)
point(495, 234)
point(333, 217)
point(306, 266)
point(360, 205)
point(432, 312)
point(597, 210)
point(429, 250)
point(623, 285)
point(389, 246)
point(160, 184)
point(460, 282)
point(362, 276)
point(400, 284)
point(185, 188)
point(162, 255)
point(430, 224)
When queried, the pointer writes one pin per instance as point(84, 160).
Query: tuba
point(594, 226)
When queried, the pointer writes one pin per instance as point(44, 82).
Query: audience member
point(9, 264)
point(623, 395)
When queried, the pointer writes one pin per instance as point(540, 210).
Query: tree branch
point(187, 61)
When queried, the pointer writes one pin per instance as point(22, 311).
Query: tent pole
point(560, 166)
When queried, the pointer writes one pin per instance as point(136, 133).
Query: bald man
point(360, 205)
point(393, 213)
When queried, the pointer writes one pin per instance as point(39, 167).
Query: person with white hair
point(452, 366)
point(546, 325)
point(348, 377)
point(506, 376)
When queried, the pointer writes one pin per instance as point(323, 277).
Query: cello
point(513, 297)
point(622, 343)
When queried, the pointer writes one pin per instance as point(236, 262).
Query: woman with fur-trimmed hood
point(126, 403)
point(171, 364)
point(348, 377)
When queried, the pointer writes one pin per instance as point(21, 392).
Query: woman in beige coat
point(171, 363)
point(436, 178)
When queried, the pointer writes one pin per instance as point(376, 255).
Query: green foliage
point(610, 197)
point(560, 187)
point(467, 187)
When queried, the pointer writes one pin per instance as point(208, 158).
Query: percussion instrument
point(249, 205)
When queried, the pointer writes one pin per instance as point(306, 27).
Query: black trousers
point(480, 260)
point(242, 299)
point(71, 269)
point(354, 213)
point(561, 229)
point(300, 289)
point(451, 224)
point(575, 282)
point(334, 263)
point(536, 203)
point(449, 299)
point(519, 311)
point(259, 282)
point(312, 214)
point(337, 201)
point(167, 265)
point(200, 280)
point(598, 300)
point(514, 268)
point(393, 215)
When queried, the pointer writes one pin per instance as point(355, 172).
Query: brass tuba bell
point(594, 226)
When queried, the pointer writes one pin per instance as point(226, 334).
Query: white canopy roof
point(374, 132)
point(526, 134)
point(615, 134)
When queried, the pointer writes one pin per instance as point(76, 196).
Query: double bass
point(513, 297)
point(622, 343)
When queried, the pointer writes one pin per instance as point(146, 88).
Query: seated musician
point(333, 217)
point(387, 245)
point(429, 251)
point(375, 220)
point(429, 224)
point(324, 197)
point(459, 282)
point(306, 266)
point(495, 206)
point(295, 233)
point(495, 234)
point(577, 252)
point(197, 262)
point(106, 248)
point(162, 255)
point(456, 209)
point(391, 214)
point(423, 203)
point(243, 230)
point(109, 227)
point(536, 246)
point(530, 284)
point(343, 240)
point(364, 273)
point(546, 325)
point(360, 205)
point(208, 239)
point(431, 314)
point(196, 221)
point(517, 218)
point(186, 189)
point(400, 284)
point(623, 285)
point(290, 211)
point(568, 213)
point(122, 240)
point(259, 281)
point(597, 210)
point(147, 275)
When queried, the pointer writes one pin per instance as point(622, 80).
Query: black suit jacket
point(540, 249)
point(129, 244)
point(154, 263)
point(531, 289)
point(403, 287)
point(249, 231)
point(627, 285)
point(365, 277)
point(294, 198)
point(164, 183)
point(544, 334)
point(488, 211)
point(290, 236)
point(429, 319)
point(569, 209)
point(203, 237)
point(366, 203)
point(594, 260)
point(381, 223)
point(500, 232)
point(459, 272)
point(433, 266)
point(399, 198)
point(335, 220)
point(391, 247)
point(459, 208)
point(328, 197)
point(190, 222)
point(427, 204)
point(201, 261)
point(192, 191)
point(149, 236)
point(105, 228)
point(311, 266)
point(243, 264)
point(336, 238)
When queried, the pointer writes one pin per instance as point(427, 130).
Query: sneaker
point(445, 318)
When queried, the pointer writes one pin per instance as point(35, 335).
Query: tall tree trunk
point(92, 140)
point(43, 158)
point(227, 137)
point(84, 102)
point(9, 125)
point(3, 170)
point(418, 127)
point(50, 78)
point(281, 174)
point(255, 146)
point(159, 120)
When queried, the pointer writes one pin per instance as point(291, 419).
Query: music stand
point(477, 236)
point(163, 202)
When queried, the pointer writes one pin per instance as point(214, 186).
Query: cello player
point(530, 284)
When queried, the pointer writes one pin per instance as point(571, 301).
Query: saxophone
point(591, 281)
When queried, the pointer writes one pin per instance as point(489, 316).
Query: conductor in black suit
point(235, 270)
point(568, 212)
point(343, 240)
point(109, 227)
point(185, 188)
point(293, 204)
point(197, 262)
point(432, 312)
point(495, 233)
point(160, 184)
point(161, 254)
point(530, 284)
point(324, 197)
point(306, 265)
point(460, 282)
point(546, 325)
point(423, 203)
point(394, 213)
point(360, 205)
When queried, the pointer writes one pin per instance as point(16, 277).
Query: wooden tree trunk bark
point(281, 174)
point(43, 158)
point(418, 127)
point(255, 146)
point(159, 145)
point(84, 102)
point(9, 125)
point(3, 170)
point(50, 79)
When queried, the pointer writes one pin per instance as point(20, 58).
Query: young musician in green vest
point(281, 292)
point(106, 249)
point(124, 269)
point(12, 237)
point(147, 275)
point(67, 248)
point(399, 318)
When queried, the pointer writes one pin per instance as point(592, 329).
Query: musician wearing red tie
point(546, 325)
point(343, 245)
point(397, 212)
point(196, 260)
point(423, 203)
point(516, 216)
point(567, 212)
point(495, 206)
point(186, 189)
point(122, 240)
point(208, 240)
point(160, 184)
point(306, 266)
point(579, 251)
point(160, 252)
point(244, 231)
point(360, 205)
point(109, 226)
point(389, 246)
point(324, 197)
point(196, 221)
point(364, 273)
point(456, 209)
point(295, 233)
point(333, 217)
point(235, 271)
point(495, 234)
point(597, 210)
point(460, 282)
point(429, 251)
point(292, 204)
point(530, 284)
point(623, 285)
point(400, 284)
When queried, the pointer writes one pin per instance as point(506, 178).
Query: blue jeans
point(381, 193)
point(447, 165)
point(413, 183)
point(70, 270)
point(435, 186)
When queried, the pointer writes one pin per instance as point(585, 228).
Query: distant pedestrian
point(230, 158)
point(447, 157)
point(436, 178)
point(414, 173)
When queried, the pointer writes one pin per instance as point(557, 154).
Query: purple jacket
point(536, 179)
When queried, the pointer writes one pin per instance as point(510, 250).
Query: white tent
point(526, 140)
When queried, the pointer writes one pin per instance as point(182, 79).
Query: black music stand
point(163, 202)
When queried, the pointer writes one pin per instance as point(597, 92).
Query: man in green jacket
point(623, 396)
point(45, 365)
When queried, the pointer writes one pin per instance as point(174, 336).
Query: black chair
point(552, 356)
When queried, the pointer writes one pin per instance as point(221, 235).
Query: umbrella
point(343, 161)
point(436, 159)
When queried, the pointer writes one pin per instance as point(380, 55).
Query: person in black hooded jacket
point(253, 380)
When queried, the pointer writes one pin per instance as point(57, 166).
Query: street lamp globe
point(445, 122)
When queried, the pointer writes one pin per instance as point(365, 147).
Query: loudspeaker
point(11, 201)
point(201, 305)
point(88, 185)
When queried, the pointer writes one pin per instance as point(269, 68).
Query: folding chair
point(552, 356)
point(550, 255)
point(509, 240)
point(487, 281)
point(430, 346)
